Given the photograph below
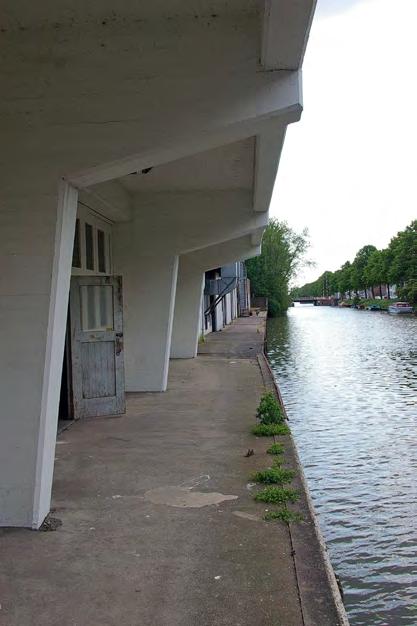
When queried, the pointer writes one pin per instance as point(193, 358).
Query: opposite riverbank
point(373, 302)
point(159, 523)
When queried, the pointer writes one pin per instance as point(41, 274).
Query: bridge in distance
point(317, 300)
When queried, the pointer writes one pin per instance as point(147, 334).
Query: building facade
point(140, 144)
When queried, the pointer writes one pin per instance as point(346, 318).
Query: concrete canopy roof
point(202, 77)
point(285, 24)
point(26, 13)
point(286, 27)
point(228, 167)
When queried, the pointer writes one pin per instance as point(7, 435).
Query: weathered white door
point(96, 310)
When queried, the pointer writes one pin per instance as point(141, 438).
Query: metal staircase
point(218, 287)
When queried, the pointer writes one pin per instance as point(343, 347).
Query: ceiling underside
point(30, 13)
point(228, 167)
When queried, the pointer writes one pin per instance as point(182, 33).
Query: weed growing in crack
point(278, 461)
point(283, 515)
point(270, 430)
point(277, 495)
point(274, 475)
point(276, 448)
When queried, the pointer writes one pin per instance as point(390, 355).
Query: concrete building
point(140, 143)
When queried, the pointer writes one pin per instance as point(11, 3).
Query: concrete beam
point(109, 199)
point(186, 221)
point(269, 145)
point(285, 32)
point(223, 253)
point(212, 117)
point(256, 237)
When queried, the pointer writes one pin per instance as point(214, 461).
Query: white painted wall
point(26, 249)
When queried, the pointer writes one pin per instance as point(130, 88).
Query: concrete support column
point(35, 257)
point(186, 328)
point(149, 284)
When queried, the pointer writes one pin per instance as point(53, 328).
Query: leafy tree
point(327, 283)
point(409, 291)
point(386, 259)
point(346, 279)
point(359, 265)
point(403, 252)
point(282, 254)
point(335, 282)
point(374, 271)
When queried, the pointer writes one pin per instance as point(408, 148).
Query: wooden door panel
point(96, 309)
point(98, 369)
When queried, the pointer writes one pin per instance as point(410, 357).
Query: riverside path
point(159, 525)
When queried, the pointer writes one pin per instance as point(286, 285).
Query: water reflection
point(349, 381)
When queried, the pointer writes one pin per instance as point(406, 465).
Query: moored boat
point(373, 307)
point(400, 307)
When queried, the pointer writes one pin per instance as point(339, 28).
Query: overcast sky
point(348, 170)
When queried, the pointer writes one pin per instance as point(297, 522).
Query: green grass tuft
point(276, 448)
point(274, 475)
point(277, 495)
point(269, 430)
point(283, 515)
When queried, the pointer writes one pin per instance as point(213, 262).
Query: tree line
point(282, 254)
point(373, 271)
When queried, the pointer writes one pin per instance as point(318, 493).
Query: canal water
point(349, 382)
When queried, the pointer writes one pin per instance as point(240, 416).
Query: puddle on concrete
point(183, 496)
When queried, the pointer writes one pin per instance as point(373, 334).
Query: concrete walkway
point(159, 525)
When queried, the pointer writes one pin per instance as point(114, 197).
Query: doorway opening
point(92, 382)
point(65, 410)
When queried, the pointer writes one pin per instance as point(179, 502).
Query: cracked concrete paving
point(133, 549)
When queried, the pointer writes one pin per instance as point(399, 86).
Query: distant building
point(226, 297)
